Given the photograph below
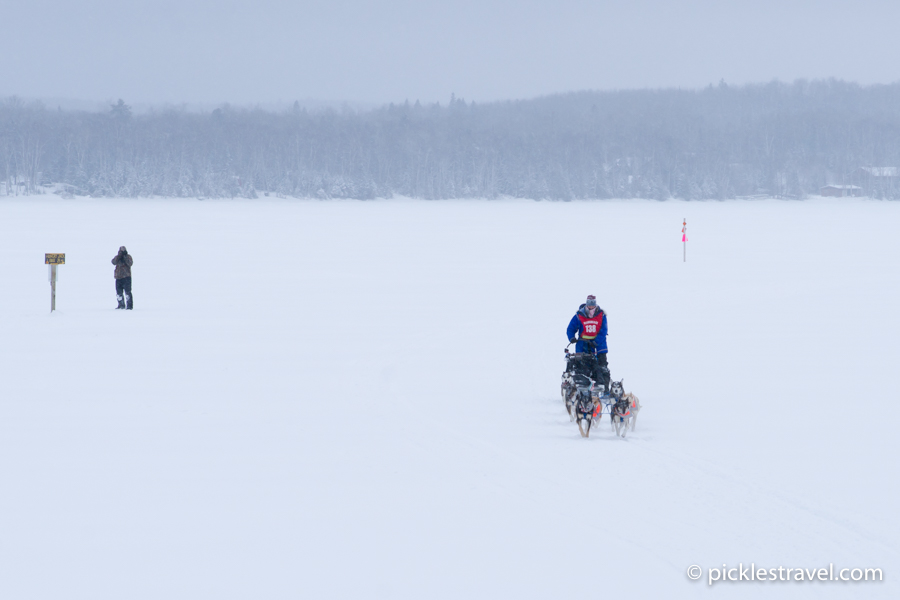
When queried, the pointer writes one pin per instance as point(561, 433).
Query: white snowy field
point(361, 399)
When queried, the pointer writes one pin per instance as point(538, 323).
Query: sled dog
point(584, 410)
point(625, 410)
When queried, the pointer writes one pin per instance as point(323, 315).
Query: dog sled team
point(587, 388)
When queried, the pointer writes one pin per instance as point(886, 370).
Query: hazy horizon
point(95, 105)
point(271, 52)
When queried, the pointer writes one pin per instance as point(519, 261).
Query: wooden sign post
point(54, 260)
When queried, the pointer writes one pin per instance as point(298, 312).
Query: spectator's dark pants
point(123, 293)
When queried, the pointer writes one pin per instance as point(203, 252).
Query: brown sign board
point(54, 259)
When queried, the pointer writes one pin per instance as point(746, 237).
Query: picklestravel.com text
point(753, 573)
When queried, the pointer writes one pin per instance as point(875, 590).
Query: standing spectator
point(123, 262)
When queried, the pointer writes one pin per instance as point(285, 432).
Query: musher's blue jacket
point(575, 326)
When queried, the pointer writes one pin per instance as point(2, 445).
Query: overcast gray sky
point(367, 51)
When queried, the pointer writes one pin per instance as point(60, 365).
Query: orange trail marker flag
point(684, 237)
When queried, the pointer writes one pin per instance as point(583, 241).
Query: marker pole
point(54, 260)
point(53, 287)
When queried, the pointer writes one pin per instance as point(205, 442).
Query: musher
point(587, 330)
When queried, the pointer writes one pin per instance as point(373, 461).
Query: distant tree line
point(782, 140)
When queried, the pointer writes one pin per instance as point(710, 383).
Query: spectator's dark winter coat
point(123, 262)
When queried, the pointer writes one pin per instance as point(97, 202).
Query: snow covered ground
point(360, 399)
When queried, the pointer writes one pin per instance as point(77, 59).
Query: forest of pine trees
point(778, 140)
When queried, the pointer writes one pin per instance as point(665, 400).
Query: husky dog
point(625, 410)
point(567, 390)
point(583, 406)
point(584, 409)
point(635, 408)
point(577, 382)
point(616, 389)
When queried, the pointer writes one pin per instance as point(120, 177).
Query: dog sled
point(587, 400)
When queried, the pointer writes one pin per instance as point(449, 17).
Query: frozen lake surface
point(361, 399)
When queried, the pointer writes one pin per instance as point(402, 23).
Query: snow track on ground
point(360, 399)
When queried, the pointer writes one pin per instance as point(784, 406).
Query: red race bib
point(590, 325)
